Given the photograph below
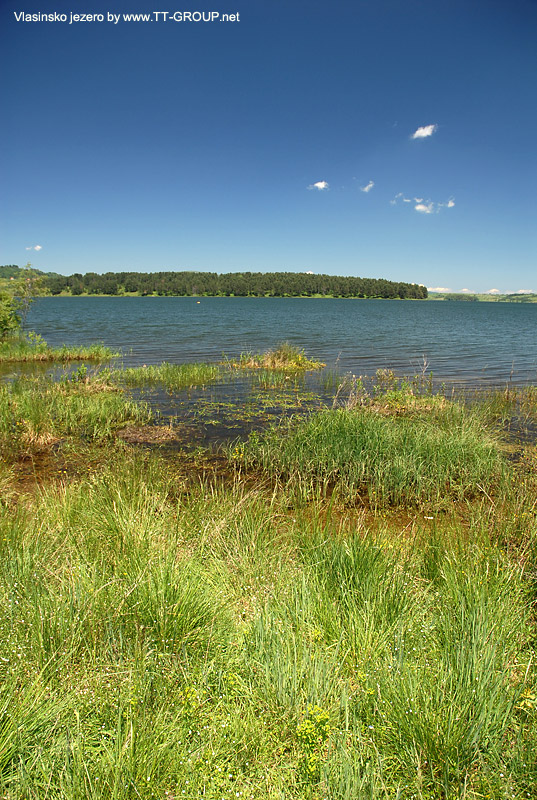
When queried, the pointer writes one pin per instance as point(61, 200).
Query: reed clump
point(172, 376)
point(434, 457)
point(284, 357)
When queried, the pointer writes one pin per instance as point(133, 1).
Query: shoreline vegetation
point(211, 284)
point(337, 603)
point(32, 347)
point(239, 284)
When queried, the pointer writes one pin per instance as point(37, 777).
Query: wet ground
point(196, 426)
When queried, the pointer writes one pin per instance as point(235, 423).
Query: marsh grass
point(164, 639)
point(284, 357)
point(212, 638)
point(33, 348)
point(35, 413)
point(409, 460)
point(173, 376)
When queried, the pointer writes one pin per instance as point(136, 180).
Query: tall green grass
point(35, 412)
point(173, 376)
point(216, 643)
point(283, 357)
point(33, 348)
point(161, 638)
point(409, 460)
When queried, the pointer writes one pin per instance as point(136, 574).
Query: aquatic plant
point(284, 357)
point(172, 376)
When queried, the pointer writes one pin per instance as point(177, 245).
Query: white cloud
point(438, 289)
point(493, 291)
point(524, 291)
point(34, 247)
point(422, 133)
point(368, 187)
point(320, 185)
point(466, 291)
point(424, 208)
point(403, 198)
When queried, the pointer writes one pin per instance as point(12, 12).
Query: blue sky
point(249, 145)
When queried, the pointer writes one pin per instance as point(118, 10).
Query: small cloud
point(424, 132)
point(524, 291)
point(424, 208)
point(466, 291)
point(368, 187)
point(401, 196)
point(493, 291)
point(320, 185)
point(34, 247)
point(438, 289)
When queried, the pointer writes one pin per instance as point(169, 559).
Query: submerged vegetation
point(346, 612)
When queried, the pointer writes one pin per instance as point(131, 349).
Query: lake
point(462, 343)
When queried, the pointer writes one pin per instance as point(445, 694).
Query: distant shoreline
point(483, 298)
point(468, 298)
point(236, 296)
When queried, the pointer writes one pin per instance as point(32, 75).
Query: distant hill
point(484, 298)
point(13, 271)
point(233, 284)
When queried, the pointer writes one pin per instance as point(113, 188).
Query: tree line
point(233, 284)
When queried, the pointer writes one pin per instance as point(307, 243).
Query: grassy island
point(340, 604)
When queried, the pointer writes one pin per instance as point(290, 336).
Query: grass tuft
point(284, 357)
point(417, 460)
point(33, 348)
point(173, 376)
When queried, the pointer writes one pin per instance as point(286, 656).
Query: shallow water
point(463, 343)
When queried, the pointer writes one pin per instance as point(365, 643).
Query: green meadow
point(339, 605)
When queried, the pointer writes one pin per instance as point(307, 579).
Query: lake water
point(466, 343)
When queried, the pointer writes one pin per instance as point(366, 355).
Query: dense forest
point(238, 284)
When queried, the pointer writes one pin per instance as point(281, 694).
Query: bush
point(9, 320)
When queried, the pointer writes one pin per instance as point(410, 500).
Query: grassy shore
point(295, 628)
point(33, 348)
